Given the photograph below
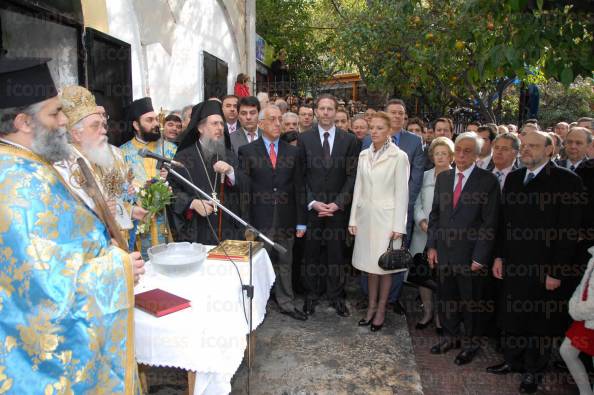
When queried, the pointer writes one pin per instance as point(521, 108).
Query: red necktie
point(458, 189)
point(272, 156)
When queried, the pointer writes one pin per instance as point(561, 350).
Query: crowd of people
point(499, 221)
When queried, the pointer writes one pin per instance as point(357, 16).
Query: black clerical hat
point(199, 112)
point(25, 81)
point(139, 107)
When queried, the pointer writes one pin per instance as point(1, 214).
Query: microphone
point(148, 154)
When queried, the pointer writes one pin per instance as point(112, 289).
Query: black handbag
point(392, 259)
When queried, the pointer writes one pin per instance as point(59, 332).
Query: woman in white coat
point(378, 213)
point(441, 152)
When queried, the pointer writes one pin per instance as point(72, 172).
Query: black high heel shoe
point(376, 328)
point(362, 322)
point(421, 325)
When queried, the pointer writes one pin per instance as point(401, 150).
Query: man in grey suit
point(460, 244)
point(249, 108)
point(413, 146)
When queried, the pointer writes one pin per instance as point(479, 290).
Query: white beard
point(99, 154)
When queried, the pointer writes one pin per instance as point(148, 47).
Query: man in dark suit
point(330, 164)
point(413, 146)
point(231, 113)
point(273, 199)
point(249, 108)
point(536, 247)
point(488, 133)
point(576, 145)
point(460, 241)
point(505, 152)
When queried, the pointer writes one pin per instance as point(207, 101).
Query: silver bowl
point(177, 259)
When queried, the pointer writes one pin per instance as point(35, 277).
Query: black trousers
point(324, 267)
point(463, 304)
point(526, 352)
point(283, 269)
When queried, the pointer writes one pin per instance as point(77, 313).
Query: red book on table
point(159, 303)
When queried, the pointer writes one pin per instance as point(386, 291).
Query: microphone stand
point(253, 232)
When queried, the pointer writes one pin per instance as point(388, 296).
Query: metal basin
point(177, 259)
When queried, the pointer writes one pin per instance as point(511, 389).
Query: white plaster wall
point(173, 77)
point(123, 25)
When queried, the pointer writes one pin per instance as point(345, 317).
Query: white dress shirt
point(247, 135)
point(332, 132)
point(465, 178)
point(575, 165)
point(483, 163)
point(232, 127)
point(535, 171)
point(504, 173)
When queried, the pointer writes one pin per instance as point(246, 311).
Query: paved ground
point(440, 376)
point(331, 355)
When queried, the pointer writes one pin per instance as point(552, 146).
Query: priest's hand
point(112, 206)
point(138, 213)
point(552, 283)
point(137, 265)
point(222, 167)
point(202, 207)
point(432, 257)
point(498, 268)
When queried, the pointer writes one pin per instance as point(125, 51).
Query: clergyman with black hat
point(66, 293)
point(145, 123)
point(211, 166)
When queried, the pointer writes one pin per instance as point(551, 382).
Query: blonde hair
point(443, 142)
point(382, 115)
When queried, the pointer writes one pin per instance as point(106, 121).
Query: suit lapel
point(468, 188)
point(315, 135)
point(336, 147)
point(264, 152)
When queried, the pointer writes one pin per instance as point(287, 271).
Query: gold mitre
point(77, 103)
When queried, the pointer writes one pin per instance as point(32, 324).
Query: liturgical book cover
point(159, 303)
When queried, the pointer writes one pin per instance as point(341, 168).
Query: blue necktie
point(395, 140)
point(529, 178)
point(572, 168)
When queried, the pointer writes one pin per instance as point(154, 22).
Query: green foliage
point(449, 51)
point(446, 53)
point(305, 28)
point(557, 102)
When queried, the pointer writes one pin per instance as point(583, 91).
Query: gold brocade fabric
point(66, 294)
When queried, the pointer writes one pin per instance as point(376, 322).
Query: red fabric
point(586, 286)
point(458, 189)
point(241, 90)
point(189, 213)
point(581, 337)
point(272, 155)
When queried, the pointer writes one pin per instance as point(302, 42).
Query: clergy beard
point(213, 149)
point(149, 135)
point(98, 154)
point(52, 145)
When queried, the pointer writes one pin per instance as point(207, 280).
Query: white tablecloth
point(210, 336)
